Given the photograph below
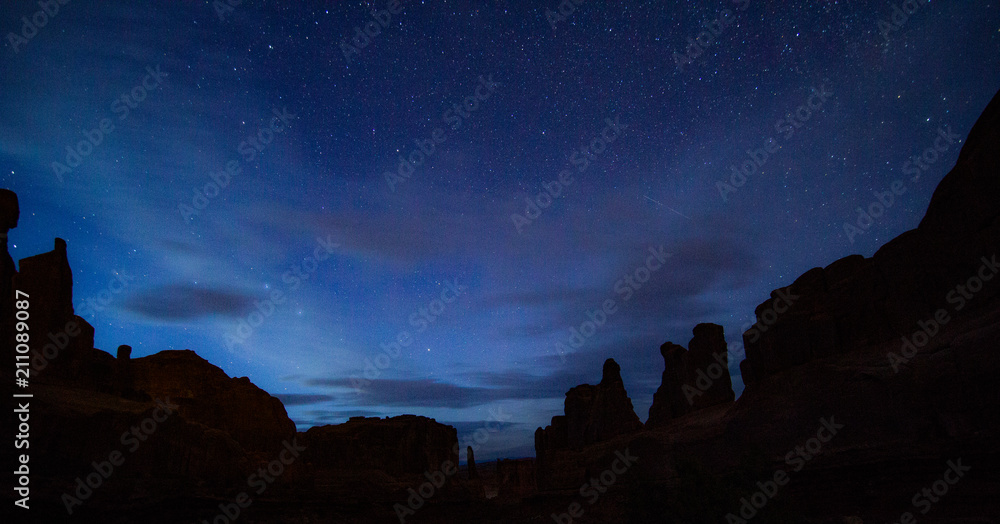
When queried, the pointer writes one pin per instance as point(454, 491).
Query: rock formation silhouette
point(63, 340)
point(692, 379)
point(216, 432)
point(593, 414)
point(397, 446)
point(9, 215)
point(859, 302)
point(898, 350)
point(123, 380)
point(470, 460)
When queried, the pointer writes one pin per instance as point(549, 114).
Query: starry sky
point(634, 114)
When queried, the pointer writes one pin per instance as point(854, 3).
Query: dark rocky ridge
point(218, 432)
point(858, 302)
point(828, 356)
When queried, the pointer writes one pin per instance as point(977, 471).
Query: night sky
point(497, 102)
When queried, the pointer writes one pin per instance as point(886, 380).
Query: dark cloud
point(694, 266)
point(432, 393)
point(328, 415)
point(297, 399)
point(185, 301)
point(323, 417)
point(553, 385)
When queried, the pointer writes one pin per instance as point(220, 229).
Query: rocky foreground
point(871, 397)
